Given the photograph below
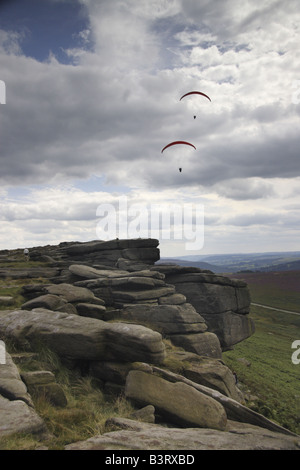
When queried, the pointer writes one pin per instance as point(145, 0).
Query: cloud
point(111, 109)
point(252, 188)
point(258, 218)
point(115, 107)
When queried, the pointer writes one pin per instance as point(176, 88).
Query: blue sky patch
point(46, 27)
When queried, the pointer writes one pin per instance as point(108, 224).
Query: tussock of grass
point(19, 442)
point(85, 415)
point(173, 361)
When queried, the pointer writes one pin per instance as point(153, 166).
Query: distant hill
point(290, 266)
point(232, 263)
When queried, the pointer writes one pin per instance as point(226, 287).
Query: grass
point(84, 416)
point(21, 263)
point(272, 376)
point(13, 287)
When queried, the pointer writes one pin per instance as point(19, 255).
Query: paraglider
point(178, 142)
point(195, 93)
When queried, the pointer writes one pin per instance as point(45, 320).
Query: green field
point(271, 376)
point(277, 289)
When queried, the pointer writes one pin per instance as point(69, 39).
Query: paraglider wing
point(178, 142)
point(195, 93)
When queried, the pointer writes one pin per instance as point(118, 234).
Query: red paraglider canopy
point(195, 93)
point(178, 142)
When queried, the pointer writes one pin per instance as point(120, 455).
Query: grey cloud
point(52, 205)
point(79, 212)
point(238, 158)
point(289, 219)
point(227, 20)
point(63, 122)
point(268, 112)
point(244, 189)
point(260, 219)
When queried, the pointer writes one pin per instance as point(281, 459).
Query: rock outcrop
point(107, 307)
point(141, 297)
point(223, 303)
point(133, 253)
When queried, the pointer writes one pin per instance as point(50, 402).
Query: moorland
point(263, 362)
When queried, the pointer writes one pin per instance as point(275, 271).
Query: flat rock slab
point(81, 337)
point(169, 319)
point(91, 310)
point(90, 273)
point(178, 402)
point(72, 293)
point(136, 435)
point(142, 295)
point(49, 301)
point(52, 294)
point(203, 344)
point(101, 245)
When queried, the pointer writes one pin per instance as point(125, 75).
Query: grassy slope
point(272, 376)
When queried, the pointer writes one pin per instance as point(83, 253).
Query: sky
point(90, 94)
